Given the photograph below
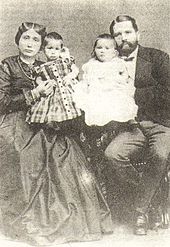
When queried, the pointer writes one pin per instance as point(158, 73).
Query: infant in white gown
point(106, 92)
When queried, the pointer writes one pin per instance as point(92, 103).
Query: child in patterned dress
point(60, 67)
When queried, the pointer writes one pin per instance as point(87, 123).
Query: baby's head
point(53, 45)
point(104, 48)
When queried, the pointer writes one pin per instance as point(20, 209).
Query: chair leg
point(165, 219)
point(164, 202)
point(158, 213)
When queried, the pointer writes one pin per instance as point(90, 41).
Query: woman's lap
point(57, 192)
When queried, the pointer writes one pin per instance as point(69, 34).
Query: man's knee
point(117, 153)
point(159, 160)
point(111, 152)
point(160, 153)
point(159, 142)
point(125, 146)
point(108, 153)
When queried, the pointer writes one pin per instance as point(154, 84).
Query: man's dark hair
point(122, 18)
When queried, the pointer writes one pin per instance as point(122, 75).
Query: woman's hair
point(25, 26)
point(102, 36)
point(122, 18)
point(52, 35)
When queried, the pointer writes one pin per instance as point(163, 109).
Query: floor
point(122, 237)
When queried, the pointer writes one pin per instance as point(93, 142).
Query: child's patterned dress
point(58, 106)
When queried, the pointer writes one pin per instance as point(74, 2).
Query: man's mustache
point(126, 43)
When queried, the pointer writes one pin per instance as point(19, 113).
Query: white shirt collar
point(134, 53)
point(130, 63)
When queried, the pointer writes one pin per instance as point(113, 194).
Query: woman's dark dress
point(47, 191)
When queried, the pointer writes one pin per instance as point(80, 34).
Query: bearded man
point(149, 70)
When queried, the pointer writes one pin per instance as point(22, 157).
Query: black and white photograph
point(84, 123)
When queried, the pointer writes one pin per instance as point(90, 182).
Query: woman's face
point(29, 43)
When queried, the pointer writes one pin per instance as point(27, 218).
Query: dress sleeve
point(9, 101)
point(86, 72)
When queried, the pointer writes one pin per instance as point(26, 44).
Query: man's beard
point(126, 48)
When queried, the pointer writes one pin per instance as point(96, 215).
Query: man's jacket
point(152, 82)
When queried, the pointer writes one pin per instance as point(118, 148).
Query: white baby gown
point(106, 92)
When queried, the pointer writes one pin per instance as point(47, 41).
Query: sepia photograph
point(84, 123)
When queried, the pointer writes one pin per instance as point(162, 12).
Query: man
point(149, 69)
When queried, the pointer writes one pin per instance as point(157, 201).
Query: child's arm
point(131, 88)
point(122, 79)
point(70, 78)
point(74, 72)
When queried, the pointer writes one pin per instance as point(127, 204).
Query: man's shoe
point(140, 224)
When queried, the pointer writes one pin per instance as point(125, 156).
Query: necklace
point(31, 77)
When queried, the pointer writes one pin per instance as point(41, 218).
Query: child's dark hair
point(102, 36)
point(52, 35)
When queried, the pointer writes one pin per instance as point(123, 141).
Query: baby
point(106, 92)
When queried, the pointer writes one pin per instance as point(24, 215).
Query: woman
point(46, 188)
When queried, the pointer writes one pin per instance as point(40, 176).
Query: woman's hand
point(44, 88)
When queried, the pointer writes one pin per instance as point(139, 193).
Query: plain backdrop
point(81, 21)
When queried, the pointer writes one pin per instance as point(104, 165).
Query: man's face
point(126, 37)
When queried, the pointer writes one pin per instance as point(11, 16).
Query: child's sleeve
point(130, 83)
point(86, 73)
point(65, 53)
point(74, 71)
point(123, 71)
point(72, 77)
point(130, 89)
